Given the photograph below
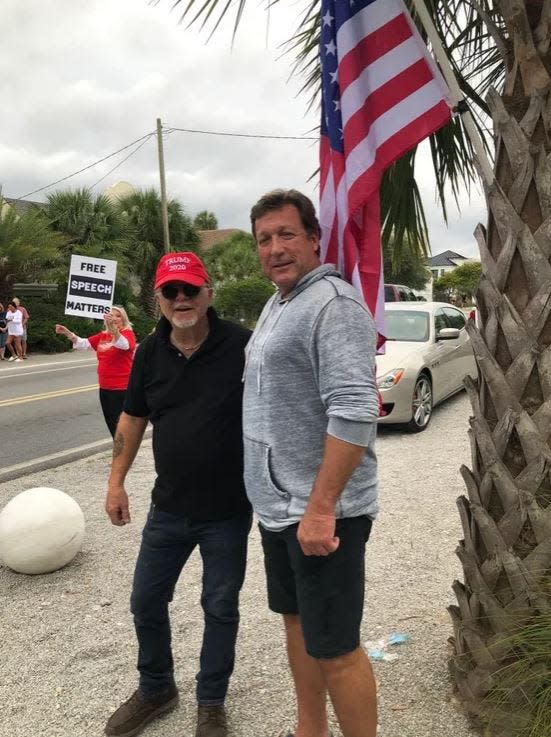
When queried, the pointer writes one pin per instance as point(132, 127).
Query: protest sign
point(91, 286)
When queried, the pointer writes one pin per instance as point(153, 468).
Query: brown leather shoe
point(132, 716)
point(211, 721)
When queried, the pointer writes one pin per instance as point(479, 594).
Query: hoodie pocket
point(265, 496)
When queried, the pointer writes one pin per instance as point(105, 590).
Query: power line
point(138, 147)
point(146, 137)
point(244, 135)
point(95, 163)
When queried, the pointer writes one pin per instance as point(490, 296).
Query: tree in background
point(205, 220)
point(142, 213)
point(410, 269)
point(242, 301)
point(461, 283)
point(92, 225)
point(232, 259)
point(88, 220)
point(29, 250)
point(240, 288)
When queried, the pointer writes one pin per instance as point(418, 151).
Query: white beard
point(180, 320)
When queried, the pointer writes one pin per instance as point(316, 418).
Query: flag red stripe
point(332, 256)
point(350, 253)
point(369, 263)
point(332, 164)
point(394, 147)
point(384, 99)
point(372, 47)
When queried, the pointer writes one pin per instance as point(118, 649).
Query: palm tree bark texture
point(506, 515)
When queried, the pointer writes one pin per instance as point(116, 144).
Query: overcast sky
point(83, 78)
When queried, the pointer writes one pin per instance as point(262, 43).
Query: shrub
point(142, 325)
point(242, 301)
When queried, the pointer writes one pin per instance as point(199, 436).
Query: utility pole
point(164, 207)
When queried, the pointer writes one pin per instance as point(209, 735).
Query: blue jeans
point(167, 543)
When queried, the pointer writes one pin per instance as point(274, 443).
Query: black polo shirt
point(194, 406)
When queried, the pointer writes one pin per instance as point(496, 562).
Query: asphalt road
point(49, 411)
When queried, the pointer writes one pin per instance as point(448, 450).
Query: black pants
point(112, 401)
point(167, 543)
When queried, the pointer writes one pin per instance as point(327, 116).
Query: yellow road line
point(48, 395)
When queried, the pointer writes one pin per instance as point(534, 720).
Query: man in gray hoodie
point(309, 422)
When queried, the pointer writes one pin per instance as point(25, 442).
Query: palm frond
point(399, 198)
point(208, 11)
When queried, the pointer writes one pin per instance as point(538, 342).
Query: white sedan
point(428, 354)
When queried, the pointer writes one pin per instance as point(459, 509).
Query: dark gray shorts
point(326, 591)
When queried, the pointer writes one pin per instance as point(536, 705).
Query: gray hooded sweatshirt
point(310, 371)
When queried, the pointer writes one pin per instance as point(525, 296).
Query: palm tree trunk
point(506, 516)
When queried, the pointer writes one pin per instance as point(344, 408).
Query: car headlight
point(390, 379)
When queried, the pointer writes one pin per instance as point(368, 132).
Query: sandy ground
point(67, 642)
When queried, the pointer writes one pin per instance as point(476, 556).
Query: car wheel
point(421, 404)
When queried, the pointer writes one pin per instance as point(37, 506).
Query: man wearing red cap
point(186, 380)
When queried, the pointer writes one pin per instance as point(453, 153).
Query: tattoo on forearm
point(118, 444)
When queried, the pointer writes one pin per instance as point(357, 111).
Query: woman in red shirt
point(114, 348)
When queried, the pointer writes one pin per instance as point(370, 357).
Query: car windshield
point(407, 325)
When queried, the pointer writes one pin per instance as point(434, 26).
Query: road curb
point(62, 458)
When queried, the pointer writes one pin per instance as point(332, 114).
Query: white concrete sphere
point(41, 530)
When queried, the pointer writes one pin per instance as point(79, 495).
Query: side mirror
point(447, 334)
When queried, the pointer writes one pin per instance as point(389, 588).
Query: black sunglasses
point(171, 291)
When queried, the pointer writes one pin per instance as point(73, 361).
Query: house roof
point(209, 238)
point(446, 258)
point(22, 206)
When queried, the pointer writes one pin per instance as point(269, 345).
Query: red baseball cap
point(181, 266)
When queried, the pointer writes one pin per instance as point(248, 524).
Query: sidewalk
point(45, 359)
point(67, 638)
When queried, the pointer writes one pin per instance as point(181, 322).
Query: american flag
point(381, 95)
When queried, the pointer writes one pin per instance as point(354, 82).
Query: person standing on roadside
point(3, 332)
point(186, 380)
point(310, 409)
point(25, 321)
point(114, 347)
point(14, 320)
